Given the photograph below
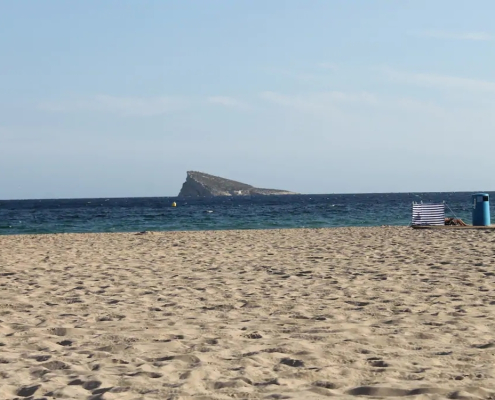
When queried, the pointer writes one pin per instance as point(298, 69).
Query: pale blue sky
point(103, 98)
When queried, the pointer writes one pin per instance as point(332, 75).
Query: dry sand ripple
point(307, 313)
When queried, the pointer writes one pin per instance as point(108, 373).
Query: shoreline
point(206, 230)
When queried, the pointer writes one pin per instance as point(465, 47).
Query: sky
point(118, 98)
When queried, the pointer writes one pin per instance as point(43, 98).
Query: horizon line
point(213, 197)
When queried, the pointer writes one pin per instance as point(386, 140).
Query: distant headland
point(199, 184)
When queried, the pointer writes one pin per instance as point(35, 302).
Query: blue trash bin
point(481, 209)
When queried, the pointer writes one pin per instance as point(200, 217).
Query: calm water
point(156, 214)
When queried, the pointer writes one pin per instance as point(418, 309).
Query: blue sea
point(262, 212)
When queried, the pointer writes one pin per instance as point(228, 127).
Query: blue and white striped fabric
point(428, 214)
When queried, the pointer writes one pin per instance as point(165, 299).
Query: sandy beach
point(275, 314)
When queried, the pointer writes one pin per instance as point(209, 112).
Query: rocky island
point(199, 184)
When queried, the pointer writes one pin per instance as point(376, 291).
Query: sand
point(275, 314)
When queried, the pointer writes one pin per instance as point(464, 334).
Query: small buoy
point(174, 204)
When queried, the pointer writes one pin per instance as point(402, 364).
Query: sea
point(220, 213)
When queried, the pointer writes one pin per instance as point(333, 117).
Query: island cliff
point(199, 184)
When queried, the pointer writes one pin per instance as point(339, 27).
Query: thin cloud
point(319, 101)
point(332, 104)
point(228, 102)
point(127, 106)
point(441, 81)
point(438, 34)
